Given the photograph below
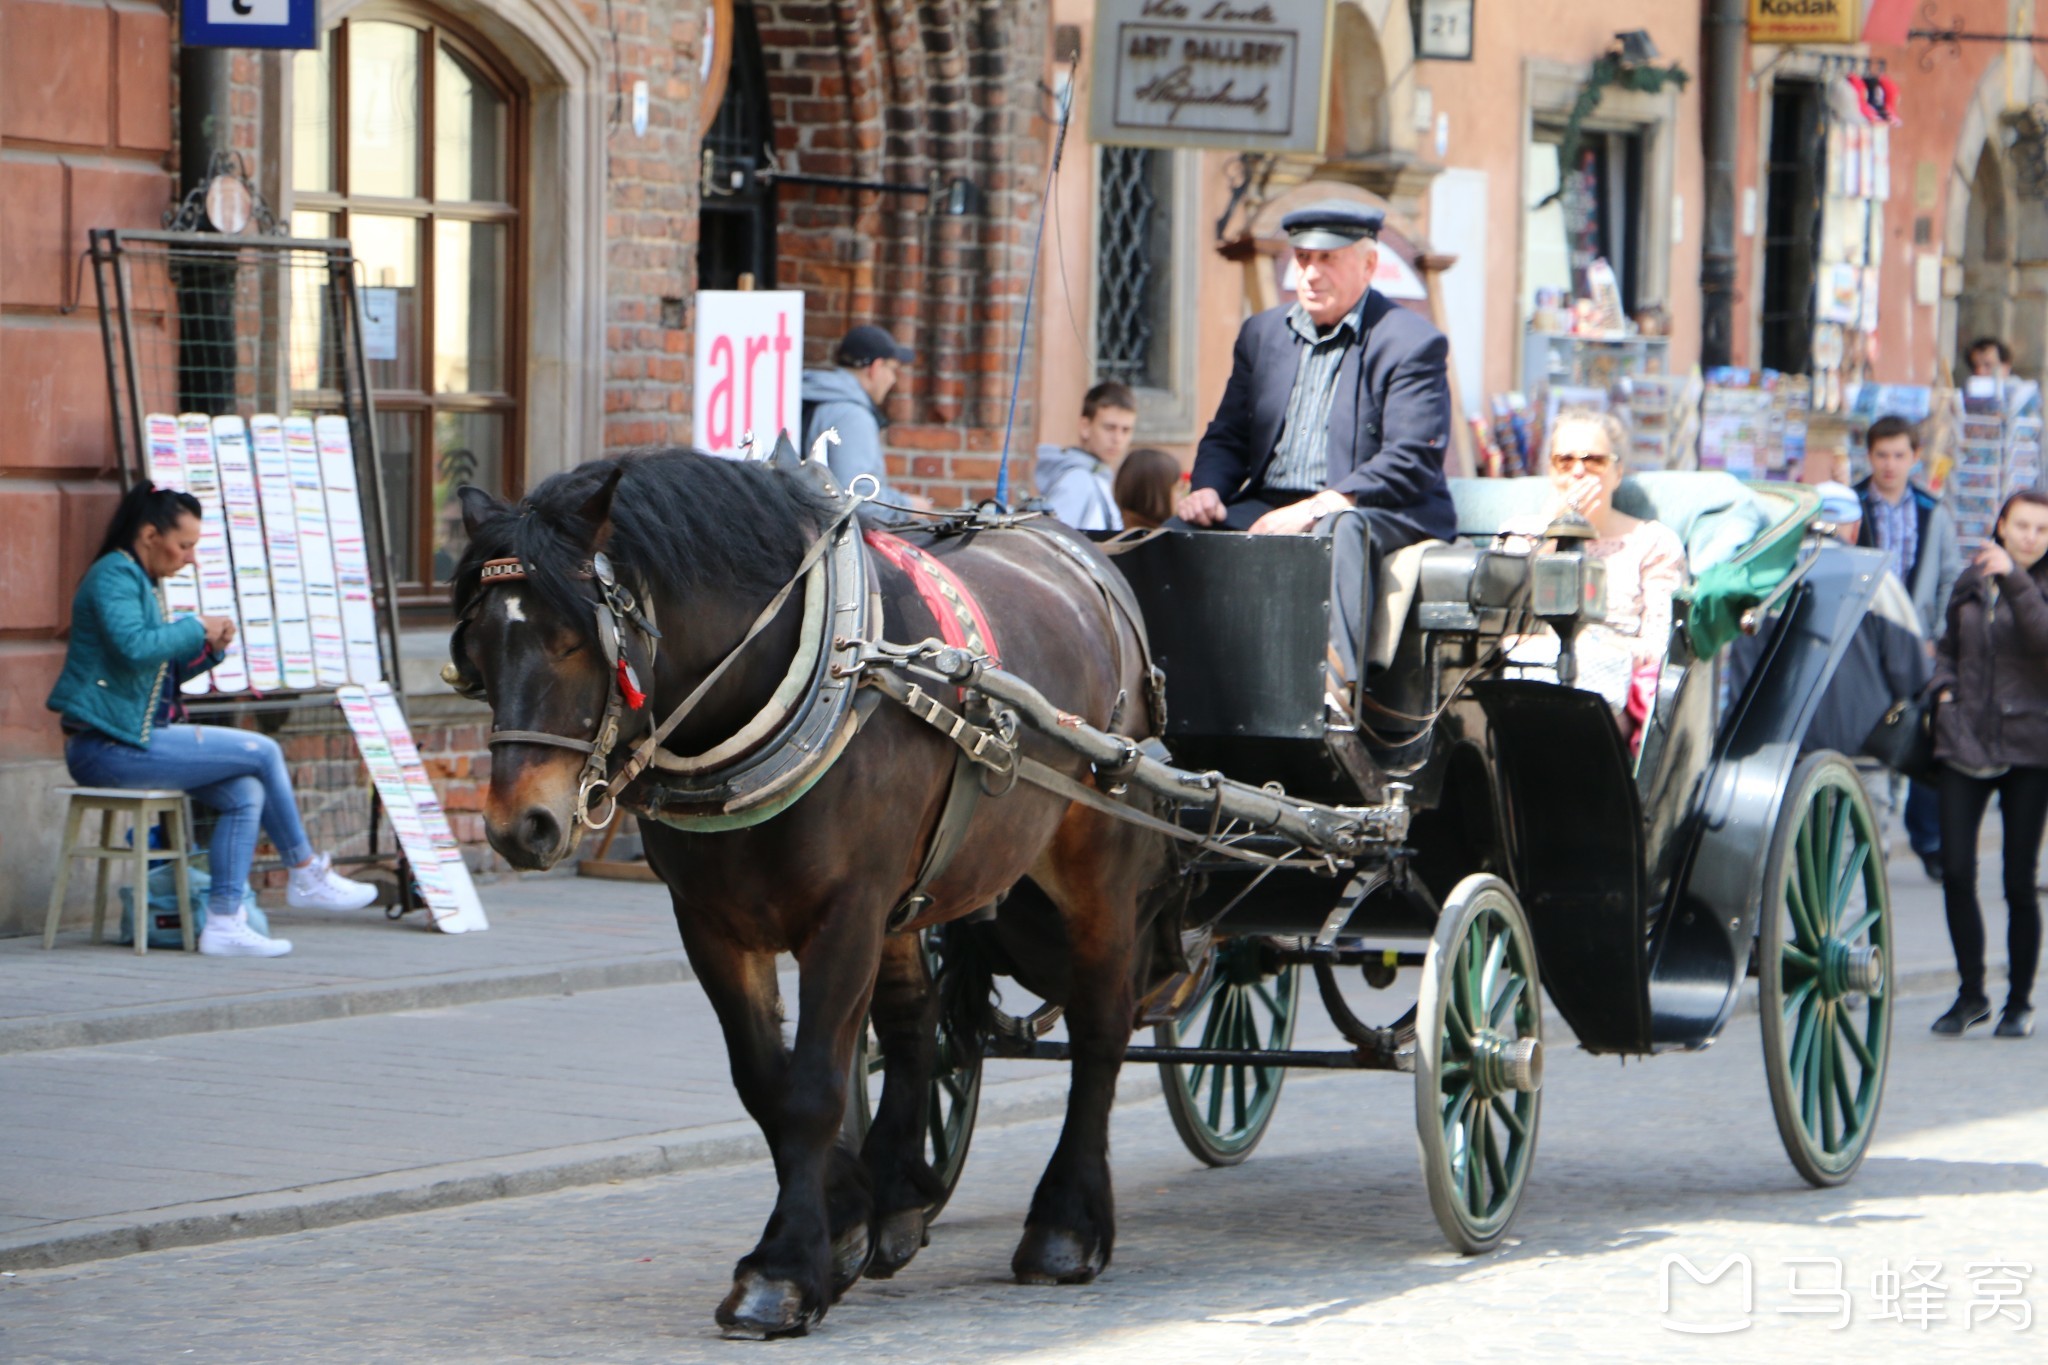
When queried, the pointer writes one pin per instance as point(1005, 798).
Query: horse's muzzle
point(534, 841)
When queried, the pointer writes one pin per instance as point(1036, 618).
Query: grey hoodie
point(1078, 487)
point(842, 404)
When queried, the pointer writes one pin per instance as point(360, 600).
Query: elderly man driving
point(1335, 419)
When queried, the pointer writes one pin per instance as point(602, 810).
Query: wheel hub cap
point(1851, 969)
point(1503, 1065)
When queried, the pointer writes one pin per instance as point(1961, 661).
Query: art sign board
point(1239, 75)
point(749, 368)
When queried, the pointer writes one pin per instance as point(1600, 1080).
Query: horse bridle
point(618, 613)
point(616, 610)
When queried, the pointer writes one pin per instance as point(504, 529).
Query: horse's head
point(528, 643)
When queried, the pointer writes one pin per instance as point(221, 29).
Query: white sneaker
point(231, 936)
point(316, 887)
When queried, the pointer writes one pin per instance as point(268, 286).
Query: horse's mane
point(682, 523)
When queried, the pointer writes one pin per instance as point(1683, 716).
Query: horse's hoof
point(760, 1309)
point(899, 1239)
point(1049, 1255)
point(850, 1257)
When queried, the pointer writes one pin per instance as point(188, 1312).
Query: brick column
point(85, 132)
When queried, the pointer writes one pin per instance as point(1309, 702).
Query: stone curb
point(439, 1187)
point(311, 1004)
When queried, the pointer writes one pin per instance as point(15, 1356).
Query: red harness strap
point(960, 618)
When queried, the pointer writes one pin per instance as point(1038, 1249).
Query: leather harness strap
point(964, 625)
point(962, 622)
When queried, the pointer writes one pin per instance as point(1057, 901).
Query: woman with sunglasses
point(1620, 657)
point(124, 726)
point(1991, 736)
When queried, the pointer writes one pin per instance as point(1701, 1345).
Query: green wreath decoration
point(1611, 70)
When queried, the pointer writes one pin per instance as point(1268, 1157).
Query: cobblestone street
point(1321, 1247)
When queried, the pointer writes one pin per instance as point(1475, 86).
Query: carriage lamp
point(1568, 590)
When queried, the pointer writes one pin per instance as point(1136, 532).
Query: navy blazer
point(1390, 423)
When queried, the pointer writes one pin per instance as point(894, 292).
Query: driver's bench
point(1240, 622)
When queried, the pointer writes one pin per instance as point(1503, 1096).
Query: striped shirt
point(1301, 457)
point(1896, 528)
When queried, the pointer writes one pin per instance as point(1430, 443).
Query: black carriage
point(1495, 832)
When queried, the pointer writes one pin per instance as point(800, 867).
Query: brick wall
point(877, 89)
point(868, 89)
point(651, 220)
point(914, 94)
point(85, 132)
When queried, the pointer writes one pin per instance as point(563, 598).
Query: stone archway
point(1982, 308)
point(1372, 135)
point(1995, 242)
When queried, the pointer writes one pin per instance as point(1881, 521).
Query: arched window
point(405, 140)
point(736, 220)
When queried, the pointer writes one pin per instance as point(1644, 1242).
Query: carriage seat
point(1714, 513)
point(1462, 588)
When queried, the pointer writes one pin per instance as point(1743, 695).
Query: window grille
point(1133, 322)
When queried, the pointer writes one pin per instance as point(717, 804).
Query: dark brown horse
point(703, 546)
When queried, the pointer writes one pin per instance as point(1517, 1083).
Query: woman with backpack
point(1990, 688)
point(124, 726)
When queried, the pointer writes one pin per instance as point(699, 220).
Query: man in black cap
point(1336, 417)
point(848, 399)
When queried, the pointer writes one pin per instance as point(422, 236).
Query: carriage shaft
point(1340, 832)
point(1356, 1059)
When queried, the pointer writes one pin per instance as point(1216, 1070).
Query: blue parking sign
point(251, 23)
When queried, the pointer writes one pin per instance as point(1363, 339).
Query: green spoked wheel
point(1221, 1110)
point(955, 1085)
point(1478, 1063)
point(1824, 955)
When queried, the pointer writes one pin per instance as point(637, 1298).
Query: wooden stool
point(145, 807)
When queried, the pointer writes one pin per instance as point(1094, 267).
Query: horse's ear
point(478, 507)
point(596, 511)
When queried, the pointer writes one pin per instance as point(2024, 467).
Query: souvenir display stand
point(236, 368)
point(1998, 453)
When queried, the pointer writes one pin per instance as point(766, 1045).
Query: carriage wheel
point(955, 1085)
point(1478, 1063)
point(1221, 1111)
point(1824, 952)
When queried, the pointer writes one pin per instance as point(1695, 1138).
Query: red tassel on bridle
point(629, 687)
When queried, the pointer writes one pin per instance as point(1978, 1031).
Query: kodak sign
point(1805, 21)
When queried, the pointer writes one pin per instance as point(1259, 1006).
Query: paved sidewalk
point(548, 935)
point(170, 1100)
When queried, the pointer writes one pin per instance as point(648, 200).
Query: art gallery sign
point(1805, 21)
point(1242, 75)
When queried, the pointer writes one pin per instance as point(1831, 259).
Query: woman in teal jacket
point(124, 727)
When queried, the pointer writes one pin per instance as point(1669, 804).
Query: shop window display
point(404, 138)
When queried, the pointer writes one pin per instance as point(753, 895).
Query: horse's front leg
point(904, 1013)
point(817, 1241)
point(1071, 1229)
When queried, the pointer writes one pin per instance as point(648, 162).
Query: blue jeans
point(238, 773)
